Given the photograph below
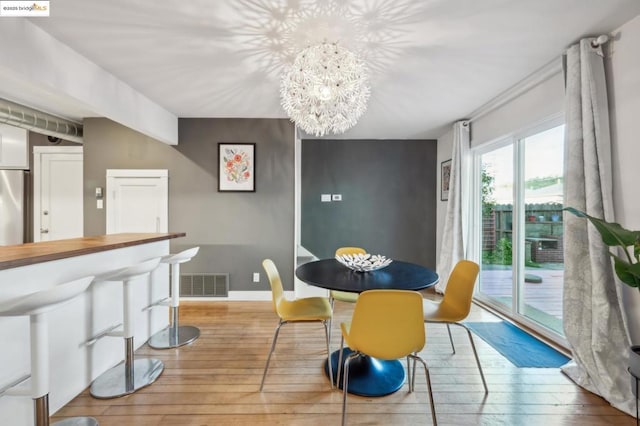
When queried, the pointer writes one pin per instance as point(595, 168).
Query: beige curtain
point(454, 234)
point(593, 322)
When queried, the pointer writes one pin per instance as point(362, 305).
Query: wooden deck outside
point(545, 296)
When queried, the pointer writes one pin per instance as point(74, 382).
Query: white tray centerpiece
point(364, 262)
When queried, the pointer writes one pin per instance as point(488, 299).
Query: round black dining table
point(367, 376)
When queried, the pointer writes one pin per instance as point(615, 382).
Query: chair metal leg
point(451, 339)
point(430, 390)
point(345, 386)
point(273, 346)
point(475, 353)
point(331, 302)
point(327, 333)
point(413, 375)
point(409, 374)
point(339, 361)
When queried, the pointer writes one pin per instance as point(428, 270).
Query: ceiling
point(431, 62)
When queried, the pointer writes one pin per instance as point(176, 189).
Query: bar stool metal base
point(41, 413)
point(77, 421)
point(113, 383)
point(172, 337)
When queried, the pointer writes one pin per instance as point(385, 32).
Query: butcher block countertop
point(45, 251)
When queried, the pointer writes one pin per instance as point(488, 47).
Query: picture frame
point(445, 178)
point(236, 167)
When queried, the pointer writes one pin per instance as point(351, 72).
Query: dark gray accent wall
point(388, 192)
point(235, 231)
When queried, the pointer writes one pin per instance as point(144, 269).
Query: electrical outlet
point(256, 277)
point(336, 197)
point(325, 198)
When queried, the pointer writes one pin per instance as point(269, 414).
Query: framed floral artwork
point(445, 176)
point(236, 167)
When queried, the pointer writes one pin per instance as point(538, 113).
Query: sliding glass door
point(496, 280)
point(521, 192)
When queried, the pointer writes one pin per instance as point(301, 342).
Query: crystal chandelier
point(325, 90)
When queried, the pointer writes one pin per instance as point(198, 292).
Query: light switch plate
point(336, 197)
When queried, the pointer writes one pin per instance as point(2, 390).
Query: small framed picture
point(445, 177)
point(236, 167)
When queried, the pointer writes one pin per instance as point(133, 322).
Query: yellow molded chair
point(312, 309)
point(456, 304)
point(386, 324)
point(345, 296)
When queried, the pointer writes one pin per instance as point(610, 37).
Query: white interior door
point(57, 201)
point(137, 201)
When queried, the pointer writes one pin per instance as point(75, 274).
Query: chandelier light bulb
point(325, 90)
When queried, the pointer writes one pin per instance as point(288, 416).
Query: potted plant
point(626, 265)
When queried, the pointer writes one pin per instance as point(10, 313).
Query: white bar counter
point(27, 268)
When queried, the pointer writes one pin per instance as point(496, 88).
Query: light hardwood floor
point(215, 381)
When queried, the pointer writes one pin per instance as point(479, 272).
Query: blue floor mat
point(519, 347)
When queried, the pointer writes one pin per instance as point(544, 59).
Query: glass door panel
point(541, 289)
point(496, 272)
point(522, 231)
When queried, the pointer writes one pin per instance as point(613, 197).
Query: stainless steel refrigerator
point(12, 206)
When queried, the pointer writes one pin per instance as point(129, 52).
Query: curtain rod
point(549, 70)
point(537, 77)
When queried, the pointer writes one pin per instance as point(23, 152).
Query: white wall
point(623, 75)
point(623, 71)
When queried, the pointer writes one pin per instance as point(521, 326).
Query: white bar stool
point(130, 375)
point(36, 305)
point(175, 335)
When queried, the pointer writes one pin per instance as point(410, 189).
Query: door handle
point(44, 231)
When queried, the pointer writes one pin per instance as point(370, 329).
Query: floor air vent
point(204, 285)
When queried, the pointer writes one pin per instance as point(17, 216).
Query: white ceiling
point(431, 61)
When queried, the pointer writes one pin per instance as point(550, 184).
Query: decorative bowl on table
point(364, 262)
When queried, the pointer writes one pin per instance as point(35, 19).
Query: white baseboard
point(240, 296)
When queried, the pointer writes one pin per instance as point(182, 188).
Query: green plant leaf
point(626, 272)
point(612, 233)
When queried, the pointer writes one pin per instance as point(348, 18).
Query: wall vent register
point(204, 285)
